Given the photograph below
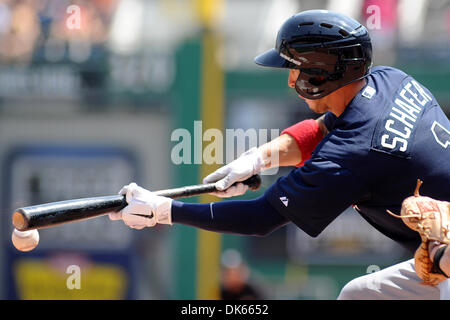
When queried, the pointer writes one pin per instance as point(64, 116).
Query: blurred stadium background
point(87, 108)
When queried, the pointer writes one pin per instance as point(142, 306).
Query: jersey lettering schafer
point(407, 107)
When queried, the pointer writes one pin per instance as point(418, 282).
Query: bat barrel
point(55, 213)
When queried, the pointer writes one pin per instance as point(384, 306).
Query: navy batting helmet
point(329, 48)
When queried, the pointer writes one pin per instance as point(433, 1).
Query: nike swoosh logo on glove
point(144, 215)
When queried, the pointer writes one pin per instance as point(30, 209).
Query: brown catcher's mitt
point(431, 218)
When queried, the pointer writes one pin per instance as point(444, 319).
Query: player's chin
point(316, 107)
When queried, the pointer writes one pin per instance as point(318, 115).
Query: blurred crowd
point(46, 30)
point(52, 30)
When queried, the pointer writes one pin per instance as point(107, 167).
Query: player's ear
point(293, 76)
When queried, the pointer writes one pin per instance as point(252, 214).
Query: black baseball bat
point(62, 212)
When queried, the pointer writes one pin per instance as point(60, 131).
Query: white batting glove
point(144, 209)
point(248, 164)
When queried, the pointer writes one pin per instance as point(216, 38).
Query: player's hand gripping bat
point(61, 212)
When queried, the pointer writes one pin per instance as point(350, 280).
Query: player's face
point(319, 105)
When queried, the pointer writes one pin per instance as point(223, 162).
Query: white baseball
point(25, 240)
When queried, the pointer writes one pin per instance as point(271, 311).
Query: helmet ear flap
point(307, 86)
point(317, 81)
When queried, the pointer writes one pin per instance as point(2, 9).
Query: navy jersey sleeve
point(312, 196)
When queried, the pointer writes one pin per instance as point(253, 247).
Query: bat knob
point(254, 182)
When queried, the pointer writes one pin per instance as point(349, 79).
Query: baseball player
point(379, 131)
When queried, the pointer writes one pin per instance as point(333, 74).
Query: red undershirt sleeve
point(307, 134)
